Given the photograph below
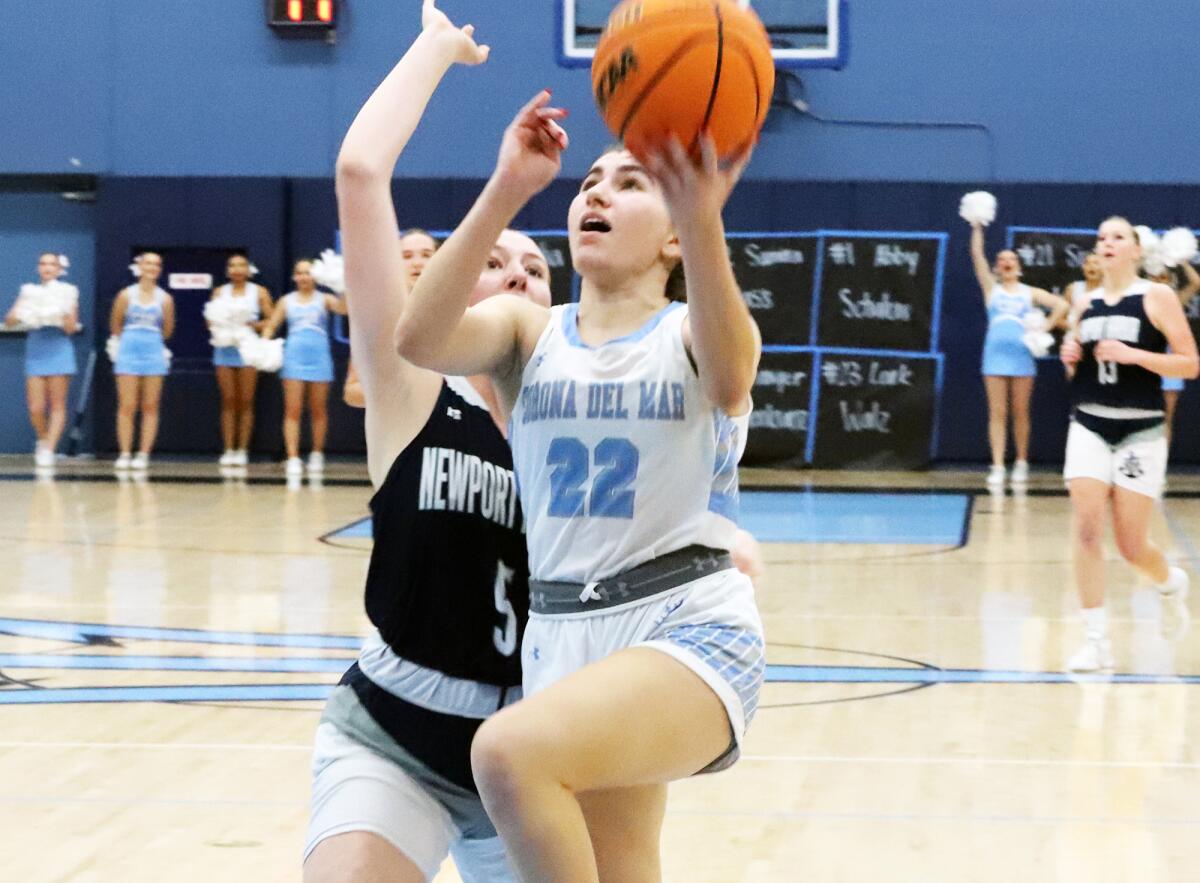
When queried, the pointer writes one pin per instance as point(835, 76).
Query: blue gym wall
point(147, 87)
point(206, 129)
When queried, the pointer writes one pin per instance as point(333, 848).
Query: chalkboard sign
point(557, 250)
point(878, 290)
point(874, 412)
point(775, 274)
point(1051, 259)
point(779, 423)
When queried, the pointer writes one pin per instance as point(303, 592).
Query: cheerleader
point(249, 304)
point(1008, 365)
point(1079, 292)
point(1173, 386)
point(1116, 456)
point(307, 364)
point(51, 310)
point(143, 317)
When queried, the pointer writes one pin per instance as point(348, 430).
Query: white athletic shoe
point(241, 458)
point(140, 461)
point(229, 458)
point(1174, 592)
point(996, 475)
point(316, 462)
point(43, 457)
point(122, 462)
point(1094, 655)
point(1020, 472)
point(294, 466)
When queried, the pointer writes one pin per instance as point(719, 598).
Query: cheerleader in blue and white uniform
point(307, 364)
point(1008, 366)
point(1080, 292)
point(49, 355)
point(143, 317)
point(236, 380)
point(627, 413)
point(1173, 386)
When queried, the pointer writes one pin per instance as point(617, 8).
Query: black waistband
point(655, 577)
point(440, 741)
point(1115, 431)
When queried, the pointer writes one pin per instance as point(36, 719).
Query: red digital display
point(302, 13)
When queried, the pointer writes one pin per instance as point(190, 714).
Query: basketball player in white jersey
point(643, 657)
point(1116, 456)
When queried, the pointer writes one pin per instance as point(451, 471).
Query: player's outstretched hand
point(460, 41)
point(531, 151)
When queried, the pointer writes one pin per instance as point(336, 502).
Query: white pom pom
point(167, 355)
point(329, 270)
point(253, 271)
point(1038, 342)
point(136, 269)
point(265, 355)
point(978, 207)
point(45, 306)
point(1034, 320)
point(1178, 246)
point(64, 262)
point(227, 321)
point(1152, 258)
point(111, 346)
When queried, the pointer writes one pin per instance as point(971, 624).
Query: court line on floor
point(967, 761)
point(812, 816)
point(814, 759)
point(855, 816)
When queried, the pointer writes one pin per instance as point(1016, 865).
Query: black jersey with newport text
point(1107, 383)
point(448, 583)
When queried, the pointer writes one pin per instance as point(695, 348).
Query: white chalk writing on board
point(759, 298)
point(780, 380)
point(770, 417)
point(868, 307)
point(859, 417)
point(758, 256)
point(891, 255)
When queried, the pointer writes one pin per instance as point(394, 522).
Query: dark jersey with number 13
point(1108, 384)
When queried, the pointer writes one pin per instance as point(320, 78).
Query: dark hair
point(677, 284)
point(238, 254)
point(301, 260)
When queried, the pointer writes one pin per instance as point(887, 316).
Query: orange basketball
point(683, 66)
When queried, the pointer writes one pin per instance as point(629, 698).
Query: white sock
point(1095, 621)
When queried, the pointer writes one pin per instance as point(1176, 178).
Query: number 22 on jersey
point(611, 468)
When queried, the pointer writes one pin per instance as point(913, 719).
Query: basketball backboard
point(804, 33)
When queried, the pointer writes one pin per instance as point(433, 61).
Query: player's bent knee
point(356, 856)
point(499, 761)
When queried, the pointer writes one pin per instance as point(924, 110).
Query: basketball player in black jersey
point(1116, 447)
point(447, 583)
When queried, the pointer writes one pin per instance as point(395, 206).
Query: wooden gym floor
point(164, 644)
